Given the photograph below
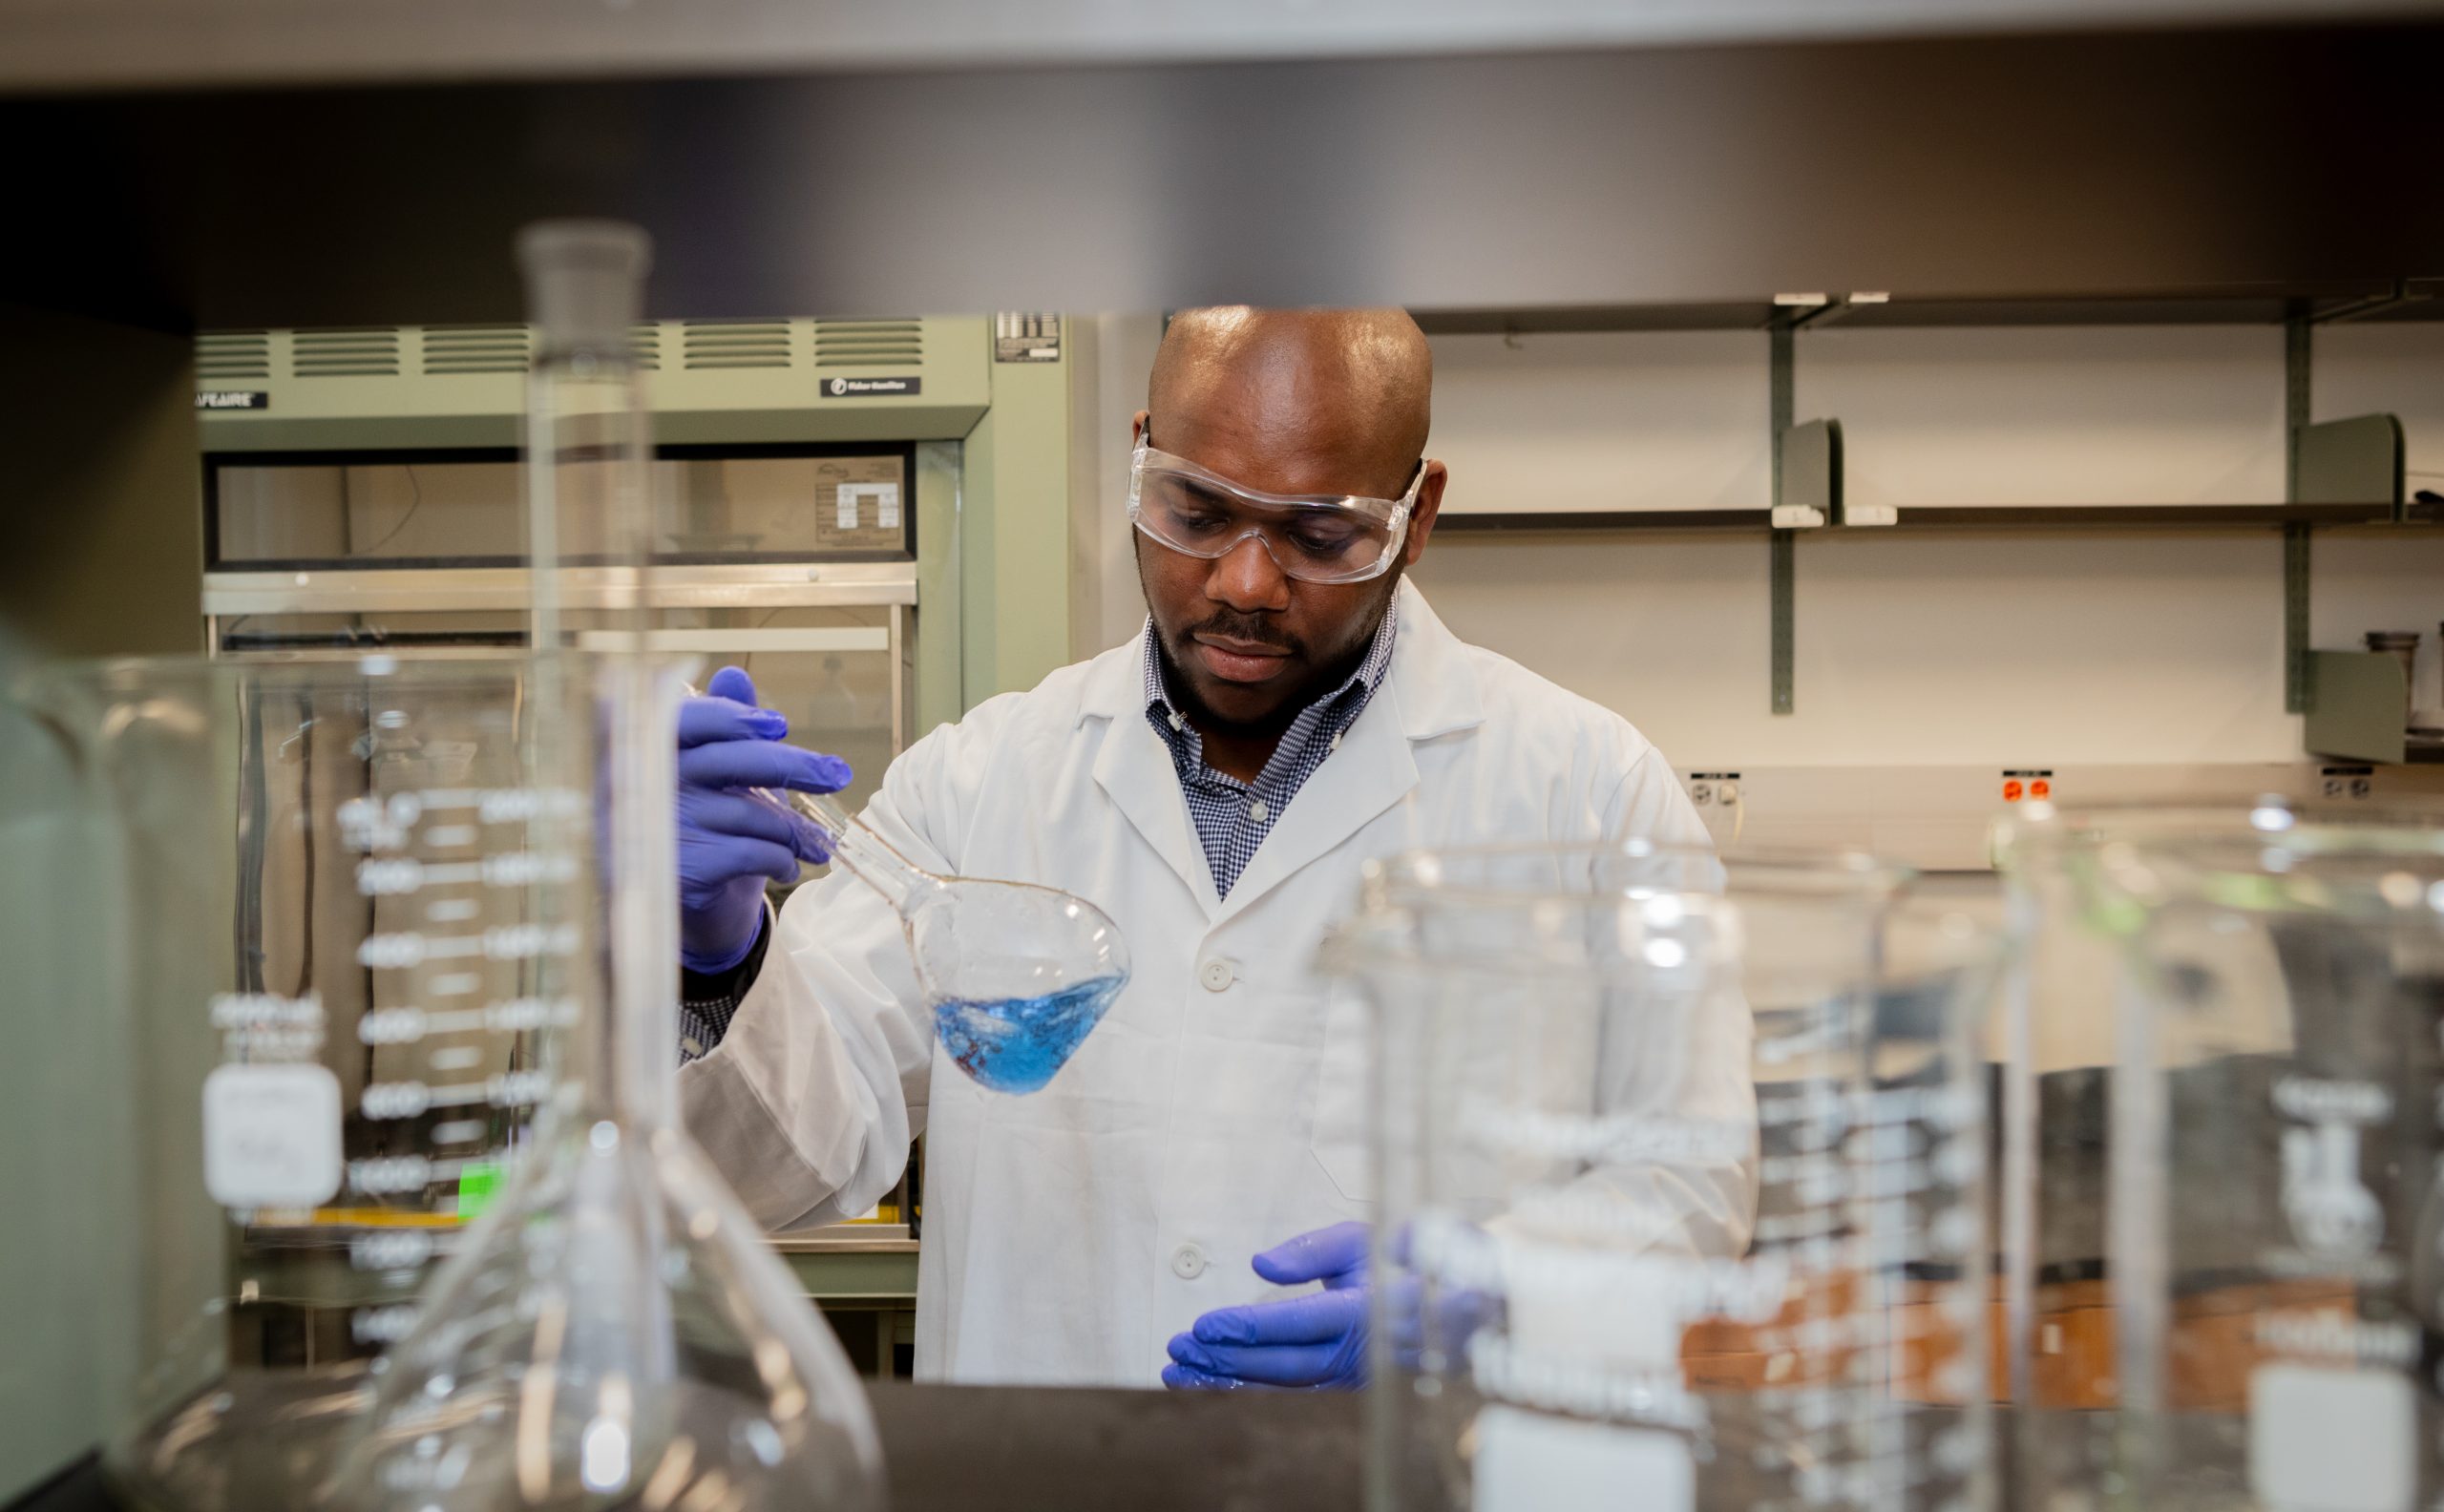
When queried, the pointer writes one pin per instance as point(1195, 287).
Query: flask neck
point(868, 856)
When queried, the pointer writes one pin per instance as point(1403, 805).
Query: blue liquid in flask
point(1016, 1043)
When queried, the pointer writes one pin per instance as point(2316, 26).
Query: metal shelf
point(1605, 521)
point(2386, 299)
point(2009, 517)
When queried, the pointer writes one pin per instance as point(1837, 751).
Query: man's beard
point(1259, 630)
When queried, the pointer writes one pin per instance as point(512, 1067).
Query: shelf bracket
point(2299, 685)
point(1781, 557)
point(2368, 306)
point(2299, 693)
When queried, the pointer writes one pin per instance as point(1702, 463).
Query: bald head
point(1299, 402)
point(1316, 401)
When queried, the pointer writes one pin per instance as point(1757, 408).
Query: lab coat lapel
point(1133, 768)
point(1372, 771)
point(1430, 691)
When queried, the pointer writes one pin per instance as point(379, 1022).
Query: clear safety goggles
point(1313, 538)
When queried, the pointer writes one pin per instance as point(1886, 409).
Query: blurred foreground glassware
point(615, 1333)
point(1585, 1058)
point(1017, 974)
point(2060, 1101)
point(2277, 1193)
point(345, 920)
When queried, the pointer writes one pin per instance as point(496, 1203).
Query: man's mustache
point(1249, 630)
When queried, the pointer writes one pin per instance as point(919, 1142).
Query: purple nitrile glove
point(1316, 1341)
point(729, 842)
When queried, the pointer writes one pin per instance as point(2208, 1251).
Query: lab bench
point(1003, 1449)
point(1038, 1449)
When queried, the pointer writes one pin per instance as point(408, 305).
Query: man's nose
point(1248, 579)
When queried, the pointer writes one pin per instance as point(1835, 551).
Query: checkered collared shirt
point(1233, 817)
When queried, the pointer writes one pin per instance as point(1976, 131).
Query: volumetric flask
point(345, 915)
point(1017, 974)
point(1679, 1162)
point(614, 1331)
point(2277, 1197)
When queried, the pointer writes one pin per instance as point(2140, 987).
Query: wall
point(1979, 648)
point(1125, 354)
point(1975, 647)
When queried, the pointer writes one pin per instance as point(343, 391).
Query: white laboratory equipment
point(1585, 1058)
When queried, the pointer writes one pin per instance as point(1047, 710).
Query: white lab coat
point(1219, 1108)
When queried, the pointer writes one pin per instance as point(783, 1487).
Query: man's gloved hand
point(1316, 1341)
point(729, 842)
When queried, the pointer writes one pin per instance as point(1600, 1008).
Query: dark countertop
point(1043, 1449)
point(1004, 1449)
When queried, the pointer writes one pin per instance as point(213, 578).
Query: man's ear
point(1421, 515)
point(1137, 427)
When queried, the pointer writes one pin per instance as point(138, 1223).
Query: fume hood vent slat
point(869, 342)
point(369, 351)
point(233, 354)
point(450, 351)
point(734, 344)
point(645, 341)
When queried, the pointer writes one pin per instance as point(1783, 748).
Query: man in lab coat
point(1292, 710)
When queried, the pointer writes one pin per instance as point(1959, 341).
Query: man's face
point(1249, 644)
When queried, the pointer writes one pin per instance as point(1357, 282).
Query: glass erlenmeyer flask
point(2278, 1175)
point(1678, 1164)
point(341, 929)
point(615, 1333)
point(1018, 975)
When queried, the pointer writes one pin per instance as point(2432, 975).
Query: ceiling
point(66, 45)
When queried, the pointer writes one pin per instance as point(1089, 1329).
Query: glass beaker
point(1679, 1162)
point(2277, 1190)
point(343, 929)
point(615, 1331)
point(2059, 1046)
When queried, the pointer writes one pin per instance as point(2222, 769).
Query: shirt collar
point(1369, 673)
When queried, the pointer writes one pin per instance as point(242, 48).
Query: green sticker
point(477, 1185)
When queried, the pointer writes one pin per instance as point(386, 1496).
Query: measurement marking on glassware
point(395, 1100)
point(388, 876)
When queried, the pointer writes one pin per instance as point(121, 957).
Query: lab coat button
point(1188, 1262)
point(1216, 975)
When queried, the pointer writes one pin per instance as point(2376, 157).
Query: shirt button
point(1188, 1262)
point(1256, 811)
point(1216, 975)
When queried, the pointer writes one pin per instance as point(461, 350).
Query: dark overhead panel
point(1703, 177)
